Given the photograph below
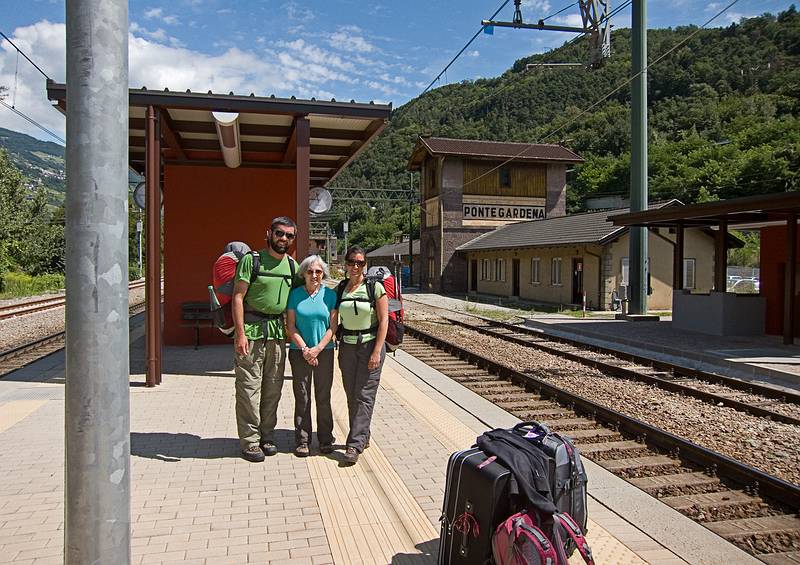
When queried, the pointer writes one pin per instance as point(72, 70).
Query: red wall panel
point(773, 261)
point(205, 208)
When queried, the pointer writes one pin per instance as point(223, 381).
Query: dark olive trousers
point(321, 377)
point(361, 387)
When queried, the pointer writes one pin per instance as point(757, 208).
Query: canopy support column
point(790, 284)
point(677, 256)
point(721, 257)
point(153, 230)
point(302, 132)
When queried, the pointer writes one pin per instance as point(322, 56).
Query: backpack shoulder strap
point(256, 266)
point(292, 266)
point(371, 291)
point(340, 292)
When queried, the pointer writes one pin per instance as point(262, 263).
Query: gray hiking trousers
point(361, 387)
point(259, 380)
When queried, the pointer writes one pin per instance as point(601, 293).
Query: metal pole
point(152, 277)
point(139, 234)
point(638, 235)
point(97, 417)
point(790, 280)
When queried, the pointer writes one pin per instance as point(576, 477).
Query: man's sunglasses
point(351, 263)
point(287, 234)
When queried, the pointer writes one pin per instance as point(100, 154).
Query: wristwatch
point(305, 348)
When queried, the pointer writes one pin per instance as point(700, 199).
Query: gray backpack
point(568, 478)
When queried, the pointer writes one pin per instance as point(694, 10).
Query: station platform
point(764, 359)
point(194, 500)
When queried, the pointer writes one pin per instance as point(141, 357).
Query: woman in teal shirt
point(364, 320)
point(311, 319)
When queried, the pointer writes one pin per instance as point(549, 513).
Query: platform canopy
point(266, 128)
point(750, 210)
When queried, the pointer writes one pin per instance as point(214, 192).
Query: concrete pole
point(97, 477)
point(638, 242)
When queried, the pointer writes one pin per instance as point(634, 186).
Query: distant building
point(469, 187)
point(387, 254)
point(558, 259)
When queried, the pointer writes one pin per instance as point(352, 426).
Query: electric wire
point(453, 60)
point(607, 95)
point(564, 9)
point(21, 52)
point(33, 122)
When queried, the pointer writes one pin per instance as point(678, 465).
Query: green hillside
point(40, 162)
point(723, 117)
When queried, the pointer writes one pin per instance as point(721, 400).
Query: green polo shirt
point(267, 294)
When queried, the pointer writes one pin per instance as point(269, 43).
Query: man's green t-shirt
point(266, 295)
point(356, 315)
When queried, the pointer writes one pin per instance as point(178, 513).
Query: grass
point(18, 285)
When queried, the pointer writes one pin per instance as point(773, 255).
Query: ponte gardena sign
point(502, 212)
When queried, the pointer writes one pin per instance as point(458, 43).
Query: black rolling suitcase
point(476, 499)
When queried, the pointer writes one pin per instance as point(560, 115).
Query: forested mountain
point(723, 118)
point(41, 163)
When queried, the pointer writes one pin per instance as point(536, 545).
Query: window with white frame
point(689, 273)
point(536, 275)
point(625, 272)
point(500, 269)
point(485, 269)
point(555, 271)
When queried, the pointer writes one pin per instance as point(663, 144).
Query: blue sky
point(386, 51)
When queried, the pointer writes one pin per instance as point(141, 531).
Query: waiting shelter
point(226, 165)
point(775, 309)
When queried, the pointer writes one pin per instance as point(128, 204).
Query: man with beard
point(260, 339)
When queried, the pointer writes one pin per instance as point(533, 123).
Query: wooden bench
point(199, 315)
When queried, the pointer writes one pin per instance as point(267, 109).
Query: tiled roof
point(498, 149)
point(392, 249)
point(589, 227)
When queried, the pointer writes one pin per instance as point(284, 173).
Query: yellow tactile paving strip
point(17, 410)
point(368, 513)
point(455, 435)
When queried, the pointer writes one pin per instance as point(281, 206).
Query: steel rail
point(30, 307)
point(748, 476)
point(633, 374)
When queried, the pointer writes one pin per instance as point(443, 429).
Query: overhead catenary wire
point(453, 60)
point(33, 122)
point(21, 52)
point(605, 96)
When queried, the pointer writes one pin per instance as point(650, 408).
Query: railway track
point(22, 355)
point(751, 398)
point(42, 304)
point(746, 506)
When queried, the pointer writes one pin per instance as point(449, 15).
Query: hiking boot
point(302, 450)
point(351, 455)
point(253, 454)
point(366, 445)
point(326, 448)
point(269, 448)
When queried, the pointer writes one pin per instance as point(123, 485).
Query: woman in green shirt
point(363, 313)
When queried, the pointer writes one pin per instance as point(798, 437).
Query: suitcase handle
point(533, 425)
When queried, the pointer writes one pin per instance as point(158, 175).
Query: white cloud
point(344, 40)
point(295, 11)
point(158, 14)
point(535, 7)
point(573, 20)
point(474, 53)
point(157, 61)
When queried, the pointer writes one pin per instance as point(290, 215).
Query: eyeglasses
point(351, 263)
point(287, 234)
point(316, 272)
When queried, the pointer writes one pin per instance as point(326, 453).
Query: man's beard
point(277, 246)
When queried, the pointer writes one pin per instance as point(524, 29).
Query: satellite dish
point(320, 200)
point(140, 195)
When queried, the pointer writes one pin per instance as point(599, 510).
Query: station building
point(556, 260)
point(468, 187)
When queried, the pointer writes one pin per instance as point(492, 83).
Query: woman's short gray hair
point(310, 261)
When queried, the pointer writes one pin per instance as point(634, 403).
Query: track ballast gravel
point(770, 446)
point(29, 327)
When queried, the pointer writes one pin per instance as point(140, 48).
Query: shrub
point(19, 284)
